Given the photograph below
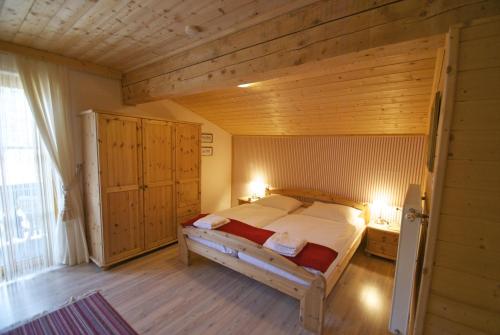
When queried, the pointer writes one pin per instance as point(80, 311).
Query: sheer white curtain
point(47, 91)
point(27, 184)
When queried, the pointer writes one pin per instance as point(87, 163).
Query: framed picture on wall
point(207, 151)
point(433, 130)
point(207, 138)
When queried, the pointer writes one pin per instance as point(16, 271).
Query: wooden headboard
point(309, 196)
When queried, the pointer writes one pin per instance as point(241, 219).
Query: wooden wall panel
point(465, 284)
point(360, 168)
point(456, 313)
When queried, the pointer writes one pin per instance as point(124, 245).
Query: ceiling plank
point(132, 18)
point(35, 21)
point(231, 21)
point(124, 34)
point(382, 25)
point(67, 16)
point(54, 58)
point(12, 14)
point(159, 36)
point(102, 13)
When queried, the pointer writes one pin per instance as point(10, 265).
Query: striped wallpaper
point(362, 168)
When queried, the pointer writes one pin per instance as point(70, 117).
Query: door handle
point(412, 215)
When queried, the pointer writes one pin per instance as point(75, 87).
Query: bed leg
point(184, 253)
point(312, 306)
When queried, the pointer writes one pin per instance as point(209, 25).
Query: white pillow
point(333, 212)
point(279, 202)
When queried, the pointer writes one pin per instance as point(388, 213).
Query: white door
point(406, 263)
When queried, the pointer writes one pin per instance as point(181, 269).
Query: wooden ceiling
point(385, 90)
point(126, 34)
point(323, 67)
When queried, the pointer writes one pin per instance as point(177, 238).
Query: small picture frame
point(207, 151)
point(207, 138)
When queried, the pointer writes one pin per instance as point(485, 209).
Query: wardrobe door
point(187, 142)
point(120, 158)
point(158, 155)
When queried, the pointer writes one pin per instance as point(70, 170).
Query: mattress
point(332, 234)
point(216, 246)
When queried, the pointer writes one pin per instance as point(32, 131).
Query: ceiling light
point(245, 85)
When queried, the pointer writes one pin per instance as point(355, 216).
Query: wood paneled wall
point(361, 168)
point(465, 285)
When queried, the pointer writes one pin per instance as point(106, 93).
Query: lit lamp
point(257, 188)
point(377, 208)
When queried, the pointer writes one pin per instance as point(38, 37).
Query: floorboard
point(157, 294)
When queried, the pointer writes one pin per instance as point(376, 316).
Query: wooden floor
point(157, 294)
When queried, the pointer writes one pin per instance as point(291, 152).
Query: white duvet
point(253, 214)
point(335, 235)
point(331, 234)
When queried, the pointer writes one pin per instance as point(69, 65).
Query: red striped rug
point(90, 315)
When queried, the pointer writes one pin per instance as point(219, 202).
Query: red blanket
point(313, 255)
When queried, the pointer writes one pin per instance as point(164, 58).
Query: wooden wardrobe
point(141, 177)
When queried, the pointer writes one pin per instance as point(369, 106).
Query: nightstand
point(382, 240)
point(246, 200)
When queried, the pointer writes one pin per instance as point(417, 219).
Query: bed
point(309, 286)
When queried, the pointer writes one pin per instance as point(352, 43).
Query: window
point(27, 186)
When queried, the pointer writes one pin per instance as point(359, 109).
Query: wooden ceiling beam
point(323, 34)
point(255, 35)
point(72, 63)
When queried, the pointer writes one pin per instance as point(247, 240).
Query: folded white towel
point(285, 244)
point(211, 221)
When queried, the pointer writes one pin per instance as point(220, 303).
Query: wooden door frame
point(447, 108)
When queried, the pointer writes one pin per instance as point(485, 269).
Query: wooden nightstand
point(382, 240)
point(246, 200)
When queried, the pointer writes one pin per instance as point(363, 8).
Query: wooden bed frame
point(312, 297)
